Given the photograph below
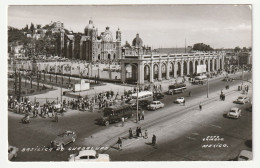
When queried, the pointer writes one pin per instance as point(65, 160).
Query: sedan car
point(242, 100)
point(155, 105)
point(234, 113)
point(179, 100)
point(12, 152)
point(245, 155)
point(63, 139)
point(89, 156)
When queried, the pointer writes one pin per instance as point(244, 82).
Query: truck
point(176, 88)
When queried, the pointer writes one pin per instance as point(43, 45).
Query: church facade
point(91, 46)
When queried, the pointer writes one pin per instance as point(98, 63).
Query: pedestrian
point(200, 106)
point(224, 97)
point(154, 140)
point(123, 121)
point(130, 133)
point(145, 134)
point(119, 142)
point(189, 93)
point(137, 132)
point(56, 117)
point(183, 102)
point(142, 114)
point(140, 132)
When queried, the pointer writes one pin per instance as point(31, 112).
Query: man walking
point(200, 106)
point(123, 121)
point(142, 114)
point(119, 142)
point(184, 102)
point(130, 133)
point(154, 140)
point(145, 134)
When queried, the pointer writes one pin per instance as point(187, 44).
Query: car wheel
point(106, 123)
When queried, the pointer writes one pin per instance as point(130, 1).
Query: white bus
point(143, 95)
point(200, 79)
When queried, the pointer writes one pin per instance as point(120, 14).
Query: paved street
point(191, 127)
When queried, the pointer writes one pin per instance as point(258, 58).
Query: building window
point(114, 46)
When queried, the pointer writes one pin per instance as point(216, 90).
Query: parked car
point(234, 113)
point(227, 79)
point(154, 105)
point(89, 156)
point(12, 152)
point(179, 100)
point(245, 155)
point(64, 139)
point(242, 100)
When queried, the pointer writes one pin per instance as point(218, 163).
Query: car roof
point(87, 152)
point(156, 101)
point(180, 98)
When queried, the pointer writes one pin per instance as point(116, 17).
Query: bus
point(176, 88)
point(115, 114)
point(200, 80)
point(143, 95)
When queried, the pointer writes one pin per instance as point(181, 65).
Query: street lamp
point(137, 89)
point(208, 87)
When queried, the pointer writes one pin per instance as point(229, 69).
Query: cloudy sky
point(220, 26)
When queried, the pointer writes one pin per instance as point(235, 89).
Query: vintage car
point(142, 104)
point(89, 156)
point(242, 100)
point(12, 152)
point(63, 139)
point(245, 155)
point(158, 96)
point(155, 105)
point(234, 113)
point(179, 100)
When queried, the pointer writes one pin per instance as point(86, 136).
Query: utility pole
point(208, 88)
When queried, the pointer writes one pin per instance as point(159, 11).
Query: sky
point(165, 26)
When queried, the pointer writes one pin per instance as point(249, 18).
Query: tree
point(202, 47)
point(32, 27)
point(237, 49)
point(244, 49)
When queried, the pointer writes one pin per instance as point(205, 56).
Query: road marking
point(215, 126)
point(191, 138)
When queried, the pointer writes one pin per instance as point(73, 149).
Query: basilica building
point(92, 46)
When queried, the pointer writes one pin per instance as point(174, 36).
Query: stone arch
point(171, 69)
point(207, 65)
point(196, 64)
point(191, 67)
point(178, 69)
point(211, 65)
point(201, 62)
point(185, 68)
point(163, 70)
point(147, 72)
point(109, 56)
point(114, 56)
point(215, 66)
point(220, 64)
point(98, 56)
point(131, 73)
point(155, 71)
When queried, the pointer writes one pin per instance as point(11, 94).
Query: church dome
point(137, 42)
point(89, 27)
point(107, 35)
